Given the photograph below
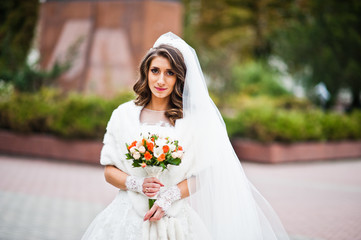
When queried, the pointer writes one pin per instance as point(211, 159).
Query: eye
point(154, 70)
point(170, 73)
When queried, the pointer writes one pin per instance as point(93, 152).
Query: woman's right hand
point(151, 186)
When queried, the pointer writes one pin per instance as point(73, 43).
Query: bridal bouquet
point(154, 153)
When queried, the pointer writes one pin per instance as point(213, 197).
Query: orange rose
point(180, 148)
point(147, 156)
point(153, 139)
point(165, 148)
point(150, 146)
point(161, 158)
point(144, 165)
point(132, 145)
point(144, 141)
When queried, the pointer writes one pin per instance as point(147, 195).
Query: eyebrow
point(169, 69)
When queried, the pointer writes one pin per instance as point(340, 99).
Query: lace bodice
point(153, 117)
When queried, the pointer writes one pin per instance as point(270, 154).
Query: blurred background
point(285, 74)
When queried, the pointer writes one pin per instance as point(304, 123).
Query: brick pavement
point(315, 200)
point(47, 199)
point(43, 199)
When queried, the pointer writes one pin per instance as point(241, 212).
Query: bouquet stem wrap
point(153, 171)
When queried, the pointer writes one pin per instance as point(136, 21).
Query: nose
point(161, 79)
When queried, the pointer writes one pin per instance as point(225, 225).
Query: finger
point(150, 213)
point(152, 185)
point(151, 190)
point(147, 180)
point(156, 180)
point(150, 194)
point(158, 215)
point(153, 180)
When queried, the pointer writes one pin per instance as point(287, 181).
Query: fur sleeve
point(112, 153)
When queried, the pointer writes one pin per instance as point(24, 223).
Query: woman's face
point(161, 78)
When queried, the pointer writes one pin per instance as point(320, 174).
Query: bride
point(208, 195)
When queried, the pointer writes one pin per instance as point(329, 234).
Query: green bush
point(338, 126)
point(257, 78)
point(6, 90)
point(252, 79)
point(261, 119)
point(290, 102)
point(268, 124)
point(28, 112)
point(49, 111)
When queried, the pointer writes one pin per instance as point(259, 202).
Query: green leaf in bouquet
point(163, 165)
point(128, 156)
point(151, 202)
point(136, 164)
point(154, 136)
point(174, 161)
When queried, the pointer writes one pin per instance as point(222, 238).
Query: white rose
point(172, 147)
point(139, 143)
point(132, 150)
point(161, 142)
point(174, 154)
point(136, 155)
point(180, 154)
point(141, 149)
point(158, 151)
point(144, 134)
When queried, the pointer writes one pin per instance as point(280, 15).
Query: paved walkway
point(46, 199)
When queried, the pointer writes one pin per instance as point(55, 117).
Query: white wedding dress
point(120, 220)
point(223, 204)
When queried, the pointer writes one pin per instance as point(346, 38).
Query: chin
point(161, 95)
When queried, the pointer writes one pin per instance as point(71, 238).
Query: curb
point(47, 146)
point(293, 152)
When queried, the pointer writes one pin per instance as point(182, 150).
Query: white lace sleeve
point(167, 196)
point(135, 184)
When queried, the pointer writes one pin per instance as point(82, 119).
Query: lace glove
point(135, 184)
point(167, 196)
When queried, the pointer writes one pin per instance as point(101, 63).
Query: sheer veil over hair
point(229, 205)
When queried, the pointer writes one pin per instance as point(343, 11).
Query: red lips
point(160, 89)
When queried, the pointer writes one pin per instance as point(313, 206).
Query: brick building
point(105, 39)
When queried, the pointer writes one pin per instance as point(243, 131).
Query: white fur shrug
point(124, 127)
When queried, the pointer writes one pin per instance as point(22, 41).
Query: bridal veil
point(229, 205)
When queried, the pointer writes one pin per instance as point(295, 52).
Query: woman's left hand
point(154, 214)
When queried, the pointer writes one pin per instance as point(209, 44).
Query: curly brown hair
point(141, 87)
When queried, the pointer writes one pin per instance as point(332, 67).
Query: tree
point(243, 25)
point(322, 43)
point(227, 33)
point(18, 20)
